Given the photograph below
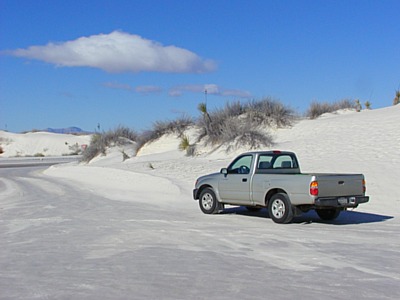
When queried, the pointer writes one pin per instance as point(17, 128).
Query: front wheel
point(208, 201)
point(328, 214)
point(280, 209)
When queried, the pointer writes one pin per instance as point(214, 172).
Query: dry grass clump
point(318, 108)
point(243, 124)
point(270, 112)
point(160, 128)
point(101, 141)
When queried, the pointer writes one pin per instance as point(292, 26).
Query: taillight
point(364, 186)
point(314, 188)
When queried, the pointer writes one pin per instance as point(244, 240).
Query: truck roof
point(269, 152)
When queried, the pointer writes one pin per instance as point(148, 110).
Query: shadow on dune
point(345, 217)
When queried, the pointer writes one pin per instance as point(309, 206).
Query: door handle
point(244, 179)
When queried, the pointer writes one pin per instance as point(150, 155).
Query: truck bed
point(335, 185)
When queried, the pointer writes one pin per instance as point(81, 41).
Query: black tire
point(208, 201)
point(253, 208)
point(280, 209)
point(328, 214)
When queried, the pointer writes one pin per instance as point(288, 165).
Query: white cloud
point(148, 89)
point(179, 90)
point(212, 89)
point(236, 93)
point(117, 86)
point(118, 52)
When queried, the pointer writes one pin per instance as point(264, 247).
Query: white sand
point(114, 229)
point(44, 143)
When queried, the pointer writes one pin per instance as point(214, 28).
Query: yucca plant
point(202, 107)
point(186, 146)
point(358, 105)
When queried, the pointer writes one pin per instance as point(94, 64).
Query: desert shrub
point(367, 105)
point(160, 128)
point(317, 108)
point(114, 136)
point(1, 150)
point(235, 132)
point(244, 133)
point(270, 112)
point(396, 99)
point(101, 141)
point(240, 124)
point(39, 155)
point(253, 139)
point(75, 149)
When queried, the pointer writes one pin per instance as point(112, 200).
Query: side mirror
point(224, 171)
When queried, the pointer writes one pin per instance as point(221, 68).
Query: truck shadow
point(345, 217)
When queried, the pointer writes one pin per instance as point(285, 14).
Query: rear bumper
point(349, 201)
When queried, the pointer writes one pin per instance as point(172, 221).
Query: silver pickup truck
point(273, 179)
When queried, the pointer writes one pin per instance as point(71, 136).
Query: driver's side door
point(234, 187)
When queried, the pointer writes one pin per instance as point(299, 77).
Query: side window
point(284, 162)
point(241, 165)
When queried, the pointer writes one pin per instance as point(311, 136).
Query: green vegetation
point(186, 146)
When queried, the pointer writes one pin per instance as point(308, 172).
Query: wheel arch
point(204, 186)
point(272, 192)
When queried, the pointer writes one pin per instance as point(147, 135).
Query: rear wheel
point(208, 201)
point(328, 214)
point(280, 209)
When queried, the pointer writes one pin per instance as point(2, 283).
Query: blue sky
point(131, 63)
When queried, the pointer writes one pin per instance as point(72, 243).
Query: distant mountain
point(69, 130)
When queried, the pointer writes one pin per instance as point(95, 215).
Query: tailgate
point(336, 185)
